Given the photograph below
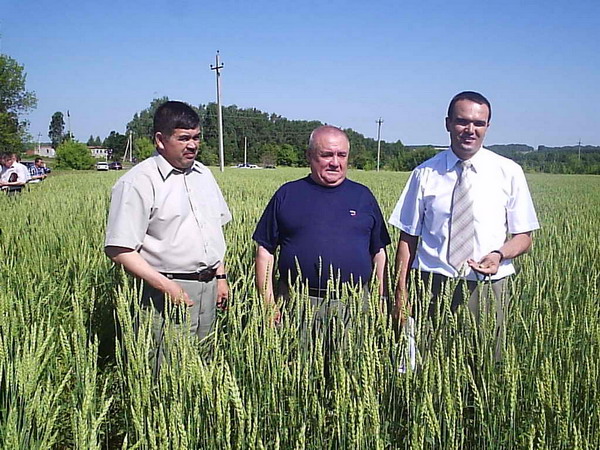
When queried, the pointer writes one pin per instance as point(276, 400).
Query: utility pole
point(245, 151)
point(39, 147)
point(217, 68)
point(129, 147)
point(69, 123)
point(379, 122)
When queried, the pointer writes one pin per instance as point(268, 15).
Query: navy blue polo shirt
point(327, 231)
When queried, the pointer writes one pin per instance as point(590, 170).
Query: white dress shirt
point(22, 175)
point(501, 205)
point(172, 218)
point(24, 171)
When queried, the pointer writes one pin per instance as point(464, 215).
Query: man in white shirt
point(499, 204)
point(14, 175)
point(165, 226)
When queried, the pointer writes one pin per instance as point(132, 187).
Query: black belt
point(204, 276)
point(322, 293)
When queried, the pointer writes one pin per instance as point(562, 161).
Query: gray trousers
point(200, 317)
point(481, 297)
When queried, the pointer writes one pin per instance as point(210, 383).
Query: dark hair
point(171, 115)
point(38, 159)
point(472, 96)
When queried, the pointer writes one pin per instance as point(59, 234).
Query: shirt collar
point(477, 160)
point(165, 168)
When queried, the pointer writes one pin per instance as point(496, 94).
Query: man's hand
point(275, 314)
point(176, 294)
point(488, 265)
point(399, 309)
point(138, 266)
point(222, 294)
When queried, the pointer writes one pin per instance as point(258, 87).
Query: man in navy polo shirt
point(328, 226)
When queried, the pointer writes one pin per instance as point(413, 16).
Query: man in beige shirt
point(165, 225)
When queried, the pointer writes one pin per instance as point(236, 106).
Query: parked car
point(115, 165)
point(101, 165)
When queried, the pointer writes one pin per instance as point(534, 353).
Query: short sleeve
point(380, 237)
point(223, 208)
point(520, 213)
point(266, 233)
point(129, 215)
point(408, 212)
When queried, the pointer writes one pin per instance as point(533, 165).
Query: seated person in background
point(38, 171)
point(12, 177)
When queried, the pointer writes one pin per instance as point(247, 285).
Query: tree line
point(275, 140)
point(271, 139)
point(573, 159)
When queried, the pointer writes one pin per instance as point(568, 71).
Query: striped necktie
point(462, 228)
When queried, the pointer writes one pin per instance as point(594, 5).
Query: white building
point(98, 152)
point(43, 150)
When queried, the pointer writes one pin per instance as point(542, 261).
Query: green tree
point(56, 131)
point(287, 156)
point(208, 156)
point(144, 148)
point(116, 142)
point(142, 122)
point(91, 141)
point(73, 155)
point(14, 101)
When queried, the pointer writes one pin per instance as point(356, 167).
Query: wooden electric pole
point(217, 68)
point(379, 122)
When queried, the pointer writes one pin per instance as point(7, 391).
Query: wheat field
point(74, 374)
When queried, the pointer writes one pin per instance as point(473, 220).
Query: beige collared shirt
point(172, 218)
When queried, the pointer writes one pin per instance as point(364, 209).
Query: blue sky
point(345, 63)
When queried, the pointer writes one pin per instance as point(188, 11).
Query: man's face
point(8, 161)
point(39, 163)
point(179, 149)
point(329, 159)
point(467, 127)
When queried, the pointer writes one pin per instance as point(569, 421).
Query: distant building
point(43, 150)
point(98, 152)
